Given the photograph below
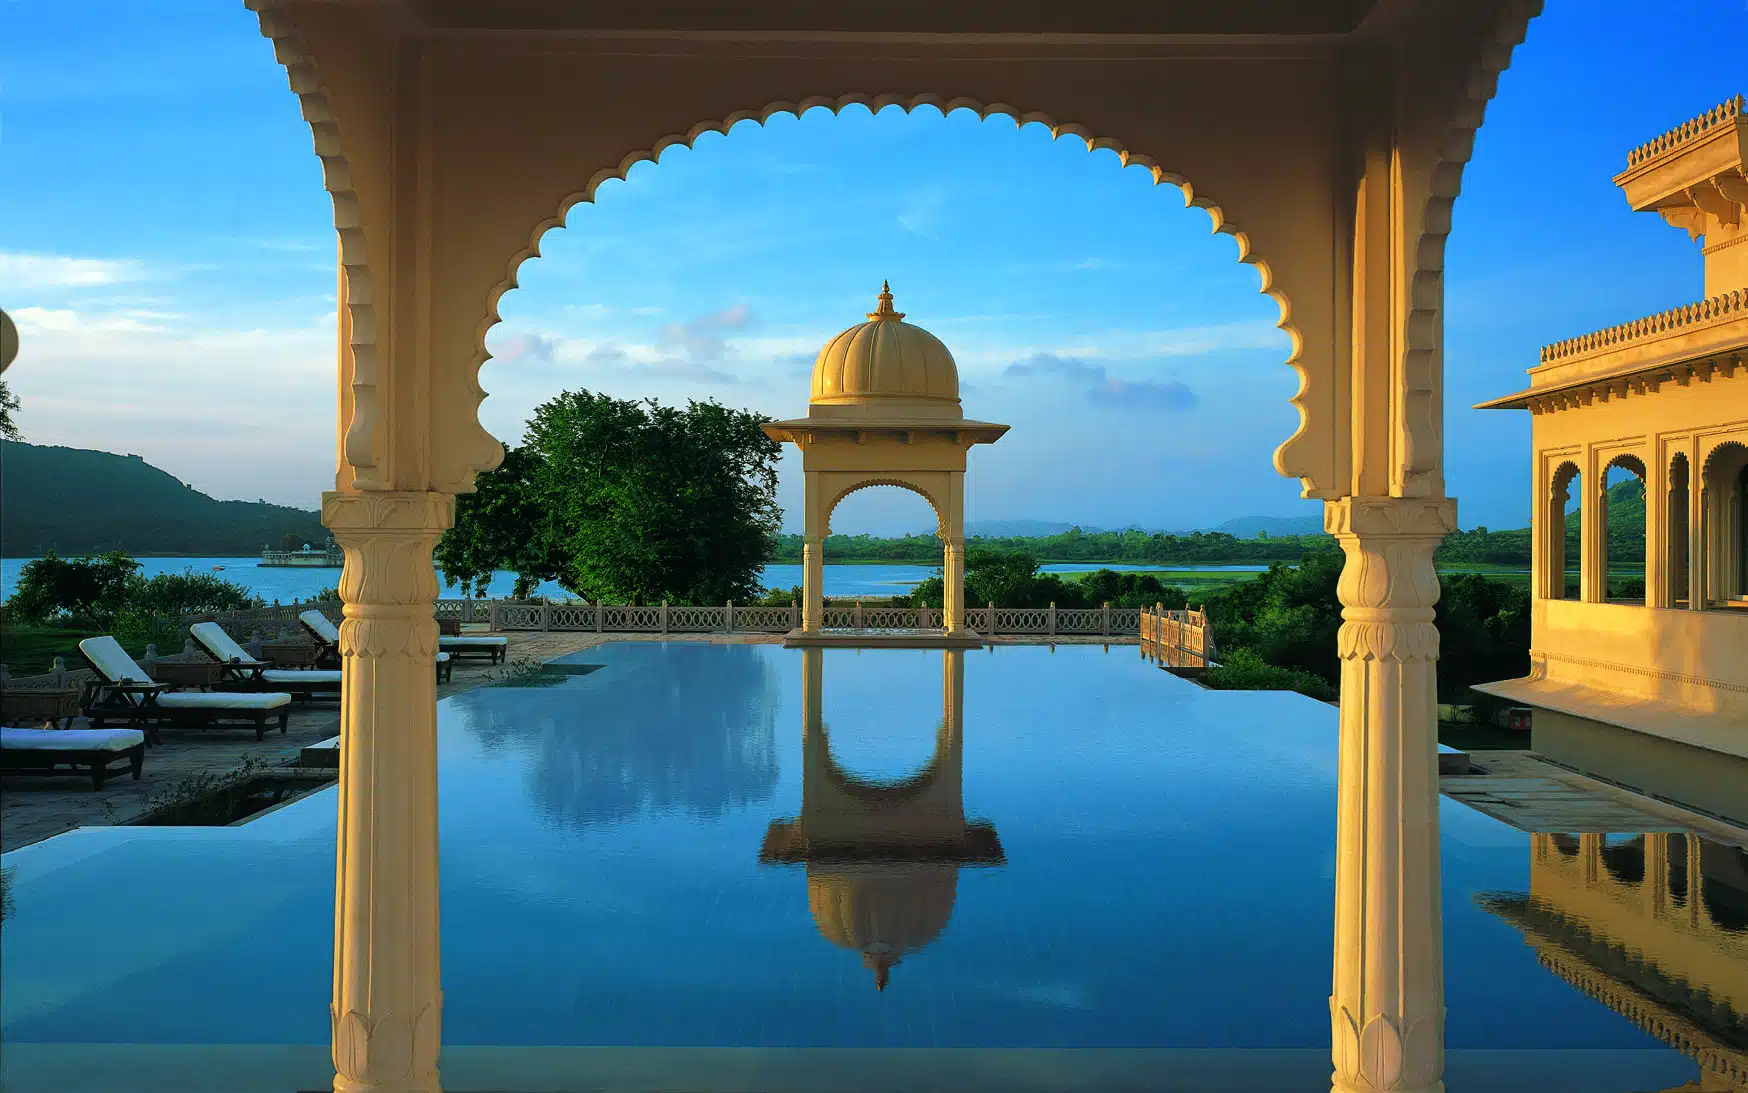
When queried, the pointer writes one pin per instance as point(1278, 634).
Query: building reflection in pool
point(1655, 927)
point(700, 739)
point(882, 858)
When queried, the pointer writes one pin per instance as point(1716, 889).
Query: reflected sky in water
point(1115, 858)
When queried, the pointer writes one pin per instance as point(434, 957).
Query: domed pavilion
point(884, 411)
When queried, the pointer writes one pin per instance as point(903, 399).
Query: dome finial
point(883, 310)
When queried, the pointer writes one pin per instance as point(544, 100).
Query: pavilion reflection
point(882, 858)
point(699, 738)
point(1654, 926)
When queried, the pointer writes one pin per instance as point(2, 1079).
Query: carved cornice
point(306, 83)
point(1390, 516)
point(1420, 429)
point(1725, 113)
point(1690, 317)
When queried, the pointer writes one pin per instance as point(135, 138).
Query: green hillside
point(77, 501)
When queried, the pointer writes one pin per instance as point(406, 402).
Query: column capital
point(1391, 517)
point(386, 510)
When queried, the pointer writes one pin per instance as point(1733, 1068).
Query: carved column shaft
point(813, 583)
point(1593, 537)
point(953, 585)
point(1387, 1007)
point(387, 1004)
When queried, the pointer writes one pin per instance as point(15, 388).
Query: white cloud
point(22, 272)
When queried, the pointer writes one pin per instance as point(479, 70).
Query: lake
point(286, 584)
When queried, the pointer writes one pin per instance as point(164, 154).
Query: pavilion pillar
point(1387, 1007)
point(953, 585)
point(387, 1003)
point(1593, 535)
point(813, 584)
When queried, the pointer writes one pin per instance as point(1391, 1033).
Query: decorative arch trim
point(1679, 462)
point(1560, 482)
point(1287, 462)
point(888, 480)
point(359, 445)
point(1423, 329)
point(1728, 449)
point(1630, 461)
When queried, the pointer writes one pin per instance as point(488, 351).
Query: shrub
point(1246, 670)
point(55, 589)
point(188, 593)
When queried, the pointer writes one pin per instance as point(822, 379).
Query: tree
point(626, 500)
point(8, 407)
point(51, 587)
point(503, 524)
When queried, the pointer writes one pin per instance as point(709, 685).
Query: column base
point(882, 639)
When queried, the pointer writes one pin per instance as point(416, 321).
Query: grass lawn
point(31, 650)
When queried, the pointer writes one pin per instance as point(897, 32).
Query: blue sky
point(167, 250)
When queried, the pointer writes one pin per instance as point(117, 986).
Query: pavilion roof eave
point(979, 432)
point(1642, 374)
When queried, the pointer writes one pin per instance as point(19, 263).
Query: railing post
point(858, 615)
point(59, 669)
point(794, 615)
point(1052, 615)
point(1107, 618)
point(546, 614)
point(492, 615)
point(600, 612)
point(664, 618)
point(992, 616)
point(728, 618)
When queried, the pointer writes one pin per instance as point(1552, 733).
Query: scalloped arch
point(1629, 461)
point(305, 82)
point(1561, 480)
point(934, 503)
point(1222, 225)
point(1733, 447)
point(1424, 328)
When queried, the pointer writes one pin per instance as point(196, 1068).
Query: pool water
point(743, 846)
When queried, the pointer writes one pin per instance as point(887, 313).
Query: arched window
point(1560, 570)
point(1723, 525)
point(1677, 541)
point(1623, 517)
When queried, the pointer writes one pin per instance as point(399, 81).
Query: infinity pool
point(762, 850)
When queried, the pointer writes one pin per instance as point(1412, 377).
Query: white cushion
point(320, 625)
point(474, 642)
point(108, 657)
point(302, 677)
point(442, 658)
point(220, 644)
point(223, 700)
point(70, 739)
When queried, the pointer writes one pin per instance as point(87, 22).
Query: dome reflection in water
point(882, 858)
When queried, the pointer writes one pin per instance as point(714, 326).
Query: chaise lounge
point(492, 647)
point(324, 631)
point(123, 691)
point(257, 675)
point(44, 751)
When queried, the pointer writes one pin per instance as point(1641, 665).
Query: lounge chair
point(123, 691)
point(44, 751)
point(41, 751)
point(324, 631)
point(327, 636)
point(257, 675)
point(493, 647)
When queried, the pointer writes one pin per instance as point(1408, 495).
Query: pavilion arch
point(1634, 464)
point(1674, 566)
point(1723, 523)
point(1337, 144)
point(912, 484)
point(1554, 561)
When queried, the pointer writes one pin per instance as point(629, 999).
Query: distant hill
point(998, 529)
point(1246, 527)
point(77, 501)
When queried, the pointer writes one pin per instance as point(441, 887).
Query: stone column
point(953, 585)
point(387, 1006)
point(1656, 883)
point(1593, 535)
point(813, 583)
point(1387, 1007)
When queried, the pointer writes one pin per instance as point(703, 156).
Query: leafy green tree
point(504, 524)
point(52, 588)
point(188, 593)
point(626, 500)
point(8, 407)
point(1484, 633)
